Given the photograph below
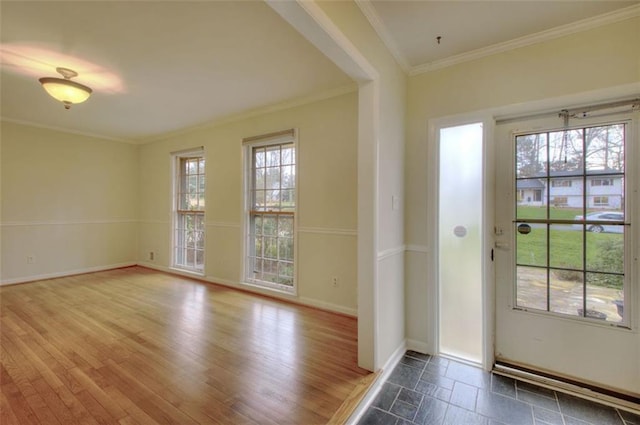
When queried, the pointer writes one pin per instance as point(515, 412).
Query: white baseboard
point(322, 305)
point(419, 346)
point(386, 370)
point(66, 273)
point(309, 302)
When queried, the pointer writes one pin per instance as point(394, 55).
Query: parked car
point(603, 216)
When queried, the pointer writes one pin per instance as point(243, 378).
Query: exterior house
point(531, 192)
point(603, 191)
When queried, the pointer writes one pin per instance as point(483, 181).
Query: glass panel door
point(564, 265)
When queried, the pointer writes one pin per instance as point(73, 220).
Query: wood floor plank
point(17, 404)
point(137, 346)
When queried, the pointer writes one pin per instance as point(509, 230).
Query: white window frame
point(630, 286)
point(278, 138)
point(176, 157)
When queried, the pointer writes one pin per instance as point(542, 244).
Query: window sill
point(271, 287)
point(187, 272)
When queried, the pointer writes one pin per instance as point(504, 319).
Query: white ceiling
point(410, 28)
point(158, 67)
point(155, 67)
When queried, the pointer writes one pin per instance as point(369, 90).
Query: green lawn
point(541, 212)
point(604, 251)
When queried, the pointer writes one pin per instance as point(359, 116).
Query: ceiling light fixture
point(63, 89)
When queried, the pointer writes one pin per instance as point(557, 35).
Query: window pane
point(530, 198)
point(257, 267)
point(259, 202)
point(259, 157)
point(285, 226)
point(565, 247)
point(531, 155)
point(288, 178)
point(272, 199)
point(567, 197)
point(270, 269)
point(257, 223)
point(199, 259)
point(531, 248)
point(260, 180)
point(285, 269)
point(605, 194)
point(565, 153)
point(288, 200)
point(270, 248)
point(193, 184)
point(273, 178)
point(605, 252)
point(192, 166)
point(605, 149)
point(273, 156)
point(258, 246)
point(605, 297)
point(183, 202)
point(531, 287)
point(192, 202)
point(270, 225)
point(285, 248)
point(566, 291)
point(284, 280)
point(288, 156)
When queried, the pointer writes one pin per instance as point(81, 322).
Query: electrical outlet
point(152, 255)
point(31, 259)
point(334, 281)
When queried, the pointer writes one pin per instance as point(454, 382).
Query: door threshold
point(596, 394)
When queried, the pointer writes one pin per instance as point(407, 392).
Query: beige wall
point(381, 292)
point(327, 197)
point(68, 201)
point(595, 60)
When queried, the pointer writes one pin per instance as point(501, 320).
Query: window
point(560, 183)
point(599, 201)
point(537, 195)
point(602, 182)
point(271, 210)
point(560, 201)
point(570, 255)
point(189, 207)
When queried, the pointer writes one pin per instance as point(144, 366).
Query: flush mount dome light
point(63, 89)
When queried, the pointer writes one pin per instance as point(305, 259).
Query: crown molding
point(287, 104)
point(372, 16)
point(540, 37)
point(66, 130)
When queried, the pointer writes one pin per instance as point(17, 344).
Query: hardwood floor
point(134, 346)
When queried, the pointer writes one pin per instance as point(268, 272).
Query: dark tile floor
point(436, 391)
